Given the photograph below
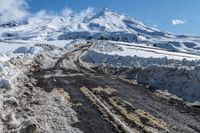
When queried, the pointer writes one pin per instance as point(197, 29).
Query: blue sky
point(157, 13)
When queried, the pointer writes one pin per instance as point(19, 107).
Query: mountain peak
point(105, 9)
point(105, 12)
point(105, 20)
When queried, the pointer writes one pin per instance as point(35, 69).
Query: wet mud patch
point(90, 119)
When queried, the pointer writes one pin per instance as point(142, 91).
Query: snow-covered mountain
point(104, 25)
point(41, 56)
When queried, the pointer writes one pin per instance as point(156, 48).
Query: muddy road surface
point(105, 104)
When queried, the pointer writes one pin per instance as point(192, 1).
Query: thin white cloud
point(87, 13)
point(12, 10)
point(67, 12)
point(178, 22)
point(16, 10)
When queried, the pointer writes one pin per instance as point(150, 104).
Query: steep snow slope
point(104, 25)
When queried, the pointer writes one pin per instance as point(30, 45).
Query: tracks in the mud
point(105, 104)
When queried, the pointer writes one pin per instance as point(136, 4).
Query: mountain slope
point(104, 25)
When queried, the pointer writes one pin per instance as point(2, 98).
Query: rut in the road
point(122, 114)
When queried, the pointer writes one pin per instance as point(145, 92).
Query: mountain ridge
point(103, 25)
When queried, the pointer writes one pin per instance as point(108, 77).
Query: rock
point(26, 93)
point(6, 83)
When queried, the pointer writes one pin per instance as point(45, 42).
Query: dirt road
point(105, 104)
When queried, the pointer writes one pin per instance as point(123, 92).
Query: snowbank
point(16, 63)
point(178, 76)
point(130, 61)
point(181, 81)
point(181, 78)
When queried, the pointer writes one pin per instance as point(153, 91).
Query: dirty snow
point(44, 112)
